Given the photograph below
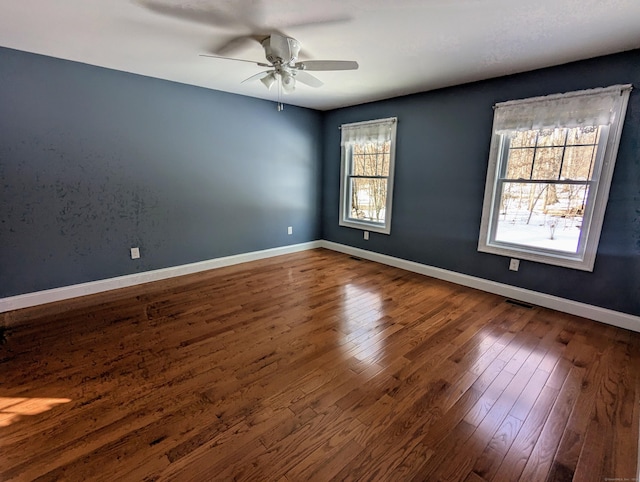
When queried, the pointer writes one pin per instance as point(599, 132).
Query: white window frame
point(346, 176)
point(593, 216)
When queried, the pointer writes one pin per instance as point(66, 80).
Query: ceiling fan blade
point(316, 65)
point(208, 16)
point(307, 79)
point(316, 22)
point(260, 64)
point(235, 45)
point(257, 76)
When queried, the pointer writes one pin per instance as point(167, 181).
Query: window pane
point(359, 161)
point(385, 157)
point(368, 199)
point(547, 163)
point(524, 139)
point(551, 137)
point(519, 164)
point(577, 162)
point(582, 135)
point(371, 159)
point(541, 215)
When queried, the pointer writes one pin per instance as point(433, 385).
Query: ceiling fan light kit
point(288, 81)
point(268, 80)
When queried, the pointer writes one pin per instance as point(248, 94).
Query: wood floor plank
point(314, 366)
point(542, 457)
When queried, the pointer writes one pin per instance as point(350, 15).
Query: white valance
point(575, 109)
point(378, 131)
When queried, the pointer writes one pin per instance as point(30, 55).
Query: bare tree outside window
point(369, 179)
point(545, 185)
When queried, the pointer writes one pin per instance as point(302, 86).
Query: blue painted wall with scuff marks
point(95, 161)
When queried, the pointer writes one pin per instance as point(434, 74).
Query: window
point(550, 167)
point(366, 185)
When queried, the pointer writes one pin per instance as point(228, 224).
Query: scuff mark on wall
point(86, 203)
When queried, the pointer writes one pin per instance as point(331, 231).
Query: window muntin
point(368, 151)
point(550, 168)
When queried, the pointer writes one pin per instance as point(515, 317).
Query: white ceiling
point(402, 46)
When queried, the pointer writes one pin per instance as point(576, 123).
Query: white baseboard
point(610, 317)
point(615, 318)
point(73, 291)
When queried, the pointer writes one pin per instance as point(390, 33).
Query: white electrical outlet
point(290, 230)
point(514, 264)
point(366, 235)
point(135, 253)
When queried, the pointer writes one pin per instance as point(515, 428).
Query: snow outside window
point(366, 184)
point(550, 168)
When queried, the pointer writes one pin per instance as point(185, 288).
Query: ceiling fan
point(250, 21)
point(281, 53)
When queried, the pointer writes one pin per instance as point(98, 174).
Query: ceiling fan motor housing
point(281, 50)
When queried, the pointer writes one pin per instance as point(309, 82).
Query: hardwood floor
point(314, 366)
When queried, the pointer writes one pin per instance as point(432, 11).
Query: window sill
point(365, 226)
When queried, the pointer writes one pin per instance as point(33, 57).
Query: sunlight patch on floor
point(11, 409)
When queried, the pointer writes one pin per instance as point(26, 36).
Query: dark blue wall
point(95, 161)
point(441, 164)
